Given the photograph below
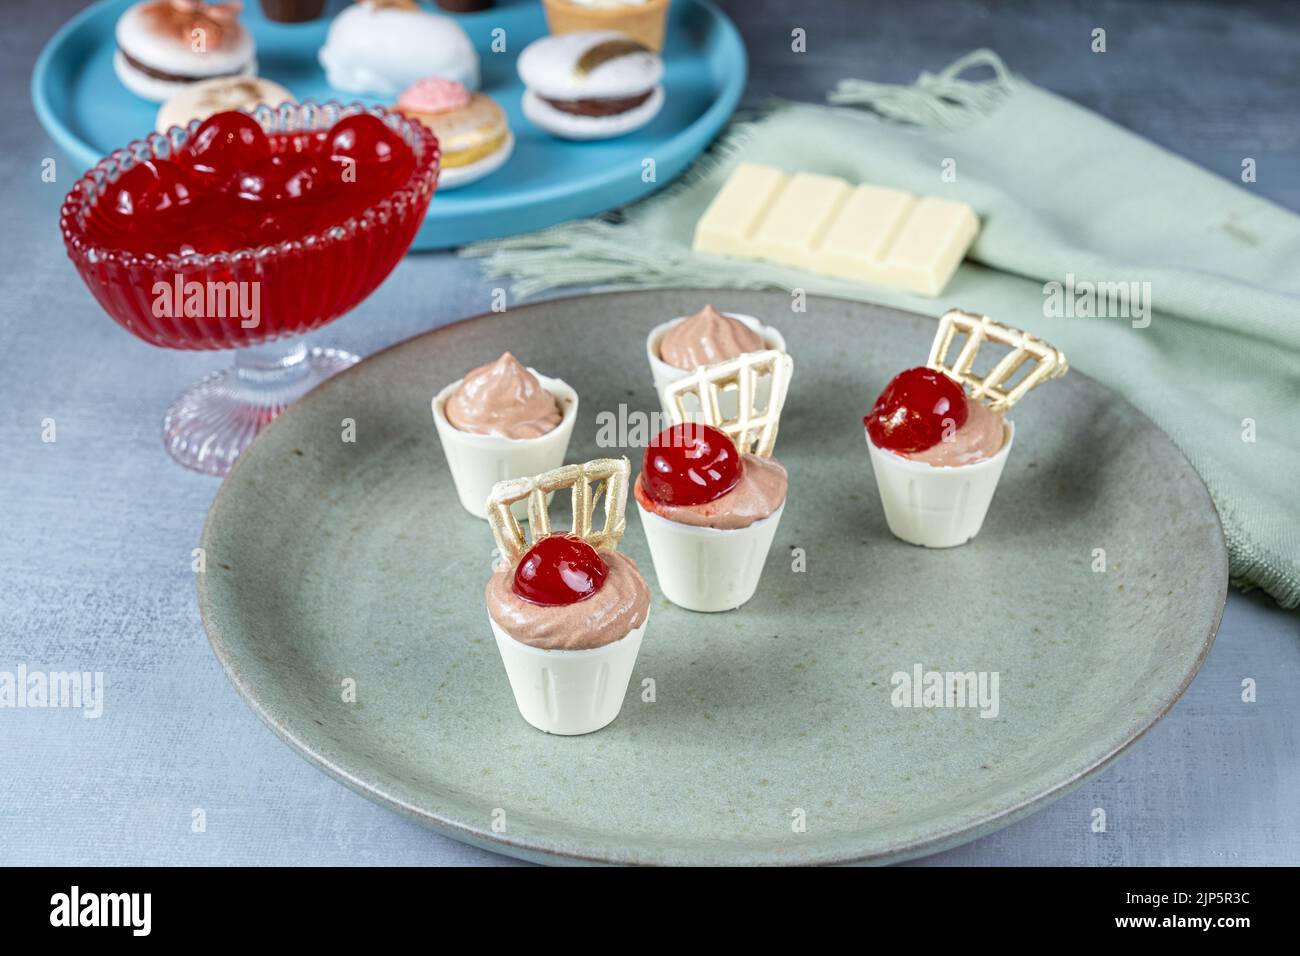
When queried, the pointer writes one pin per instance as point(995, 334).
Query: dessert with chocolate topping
point(567, 609)
point(710, 494)
point(163, 46)
point(679, 346)
point(590, 85)
point(502, 420)
point(937, 433)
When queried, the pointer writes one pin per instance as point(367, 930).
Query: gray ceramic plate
point(332, 561)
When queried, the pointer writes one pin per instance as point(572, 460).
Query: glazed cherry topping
point(226, 145)
point(367, 143)
point(150, 188)
point(278, 178)
point(559, 569)
point(913, 411)
point(690, 464)
point(233, 186)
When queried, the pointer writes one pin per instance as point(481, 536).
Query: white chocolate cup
point(569, 692)
point(477, 462)
point(708, 569)
point(936, 507)
point(665, 374)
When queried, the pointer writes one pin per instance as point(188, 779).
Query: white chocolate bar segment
point(821, 223)
point(933, 240)
point(859, 240)
point(798, 220)
point(733, 216)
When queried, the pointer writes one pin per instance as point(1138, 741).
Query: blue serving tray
point(88, 113)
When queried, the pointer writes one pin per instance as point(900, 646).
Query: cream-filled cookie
point(165, 46)
point(590, 85)
point(472, 129)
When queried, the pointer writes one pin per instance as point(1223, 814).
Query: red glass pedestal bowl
point(298, 284)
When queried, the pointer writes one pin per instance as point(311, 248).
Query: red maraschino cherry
point(226, 145)
point(377, 154)
point(690, 464)
point(913, 411)
point(559, 569)
point(152, 187)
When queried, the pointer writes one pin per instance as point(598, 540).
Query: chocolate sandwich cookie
point(165, 46)
point(595, 84)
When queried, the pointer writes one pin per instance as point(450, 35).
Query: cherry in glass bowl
point(255, 281)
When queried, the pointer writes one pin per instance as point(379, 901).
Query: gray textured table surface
point(96, 528)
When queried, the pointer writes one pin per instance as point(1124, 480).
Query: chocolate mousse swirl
point(707, 337)
point(979, 439)
point(610, 614)
point(504, 399)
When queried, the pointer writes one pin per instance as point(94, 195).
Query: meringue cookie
point(383, 49)
point(164, 46)
point(590, 85)
point(200, 100)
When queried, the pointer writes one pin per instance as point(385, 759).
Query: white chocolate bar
point(823, 224)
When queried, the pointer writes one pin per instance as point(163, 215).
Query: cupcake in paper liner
point(568, 610)
point(502, 420)
point(710, 494)
point(937, 435)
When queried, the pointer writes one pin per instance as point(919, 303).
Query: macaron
point(383, 46)
point(200, 100)
point(165, 46)
point(594, 84)
point(472, 129)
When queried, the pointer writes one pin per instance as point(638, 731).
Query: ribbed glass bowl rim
point(286, 118)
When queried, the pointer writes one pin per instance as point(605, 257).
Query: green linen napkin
point(1207, 341)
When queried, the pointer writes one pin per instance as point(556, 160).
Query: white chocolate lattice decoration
point(1049, 362)
point(752, 429)
point(610, 475)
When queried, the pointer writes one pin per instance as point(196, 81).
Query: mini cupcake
point(203, 99)
point(292, 11)
point(472, 131)
point(678, 347)
point(593, 85)
point(642, 20)
point(569, 611)
point(501, 421)
point(710, 494)
point(164, 46)
point(383, 46)
point(938, 452)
